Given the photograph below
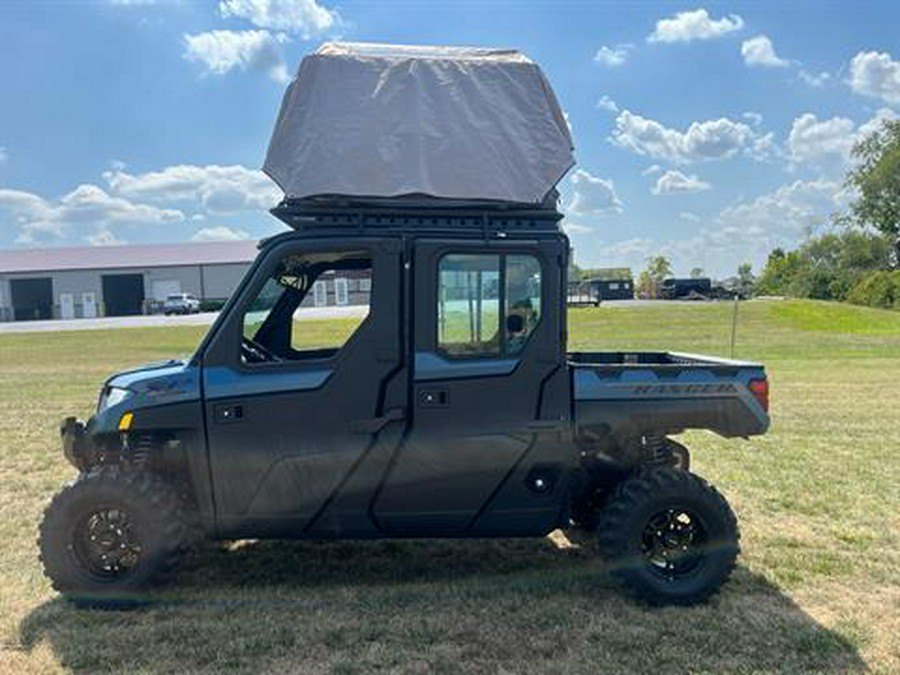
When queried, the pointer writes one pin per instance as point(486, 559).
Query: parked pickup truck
point(451, 410)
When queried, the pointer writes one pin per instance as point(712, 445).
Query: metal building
point(92, 281)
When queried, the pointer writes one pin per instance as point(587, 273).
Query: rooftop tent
point(385, 121)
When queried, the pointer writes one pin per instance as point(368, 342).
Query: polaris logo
point(665, 389)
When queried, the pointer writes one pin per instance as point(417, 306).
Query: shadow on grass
point(430, 606)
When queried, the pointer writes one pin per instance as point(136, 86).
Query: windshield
point(262, 306)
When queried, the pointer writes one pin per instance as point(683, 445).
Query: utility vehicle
point(452, 410)
point(420, 184)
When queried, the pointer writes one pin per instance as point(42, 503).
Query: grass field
point(817, 589)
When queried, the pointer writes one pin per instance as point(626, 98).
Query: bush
point(826, 267)
point(877, 289)
point(212, 305)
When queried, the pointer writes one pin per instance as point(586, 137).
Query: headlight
point(113, 396)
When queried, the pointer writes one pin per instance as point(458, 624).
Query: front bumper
point(75, 442)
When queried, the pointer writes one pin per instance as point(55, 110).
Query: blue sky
point(708, 132)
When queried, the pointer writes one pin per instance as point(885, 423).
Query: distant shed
point(92, 281)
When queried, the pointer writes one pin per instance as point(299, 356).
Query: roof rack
point(341, 216)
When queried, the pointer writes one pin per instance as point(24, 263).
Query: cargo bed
point(639, 393)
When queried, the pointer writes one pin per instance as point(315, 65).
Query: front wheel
point(110, 535)
point(669, 537)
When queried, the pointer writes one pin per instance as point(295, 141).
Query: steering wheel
point(256, 353)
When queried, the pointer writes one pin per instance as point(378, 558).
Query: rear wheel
point(669, 537)
point(110, 535)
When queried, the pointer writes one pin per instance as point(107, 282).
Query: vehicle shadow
point(513, 605)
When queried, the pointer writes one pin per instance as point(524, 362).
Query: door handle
point(376, 424)
point(434, 398)
point(225, 414)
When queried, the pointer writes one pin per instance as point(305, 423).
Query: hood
point(160, 382)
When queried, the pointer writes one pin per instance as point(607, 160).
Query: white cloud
point(743, 232)
point(792, 208)
point(695, 25)
point(86, 205)
point(104, 237)
point(306, 18)
point(827, 143)
point(3, 154)
point(612, 57)
point(652, 169)
point(219, 233)
point(813, 80)
point(576, 228)
point(877, 75)
point(213, 188)
point(606, 103)
point(754, 117)
point(750, 229)
point(765, 148)
point(816, 141)
point(758, 51)
point(637, 246)
point(592, 196)
point(874, 124)
point(221, 51)
point(713, 139)
point(674, 182)
point(132, 3)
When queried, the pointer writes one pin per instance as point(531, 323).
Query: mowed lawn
point(818, 499)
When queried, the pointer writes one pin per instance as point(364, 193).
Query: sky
point(706, 132)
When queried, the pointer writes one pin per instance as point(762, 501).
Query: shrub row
point(877, 289)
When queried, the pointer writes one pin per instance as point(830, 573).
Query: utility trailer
point(453, 409)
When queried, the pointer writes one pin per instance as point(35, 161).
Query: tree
point(697, 273)
point(825, 267)
point(575, 272)
point(745, 280)
point(659, 267)
point(650, 280)
point(645, 286)
point(778, 273)
point(876, 178)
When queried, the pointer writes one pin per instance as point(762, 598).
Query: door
point(341, 291)
point(88, 305)
point(163, 288)
point(296, 411)
point(485, 453)
point(320, 293)
point(123, 294)
point(32, 299)
point(66, 306)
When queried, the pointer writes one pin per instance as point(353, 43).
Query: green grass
point(817, 590)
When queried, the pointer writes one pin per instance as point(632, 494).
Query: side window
point(469, 305)
point(308, 308)
point(488, 305)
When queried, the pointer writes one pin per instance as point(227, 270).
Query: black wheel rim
point(674, 542)
point(106, 544)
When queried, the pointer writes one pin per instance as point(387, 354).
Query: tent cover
point(370, 120)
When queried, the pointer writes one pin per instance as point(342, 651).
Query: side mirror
point(515, 323)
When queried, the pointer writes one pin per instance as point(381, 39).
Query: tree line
point(857, 262)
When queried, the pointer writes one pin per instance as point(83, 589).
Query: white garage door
point(164, 288)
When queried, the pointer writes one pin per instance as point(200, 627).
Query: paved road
point(203, 319)
point(207, 318)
